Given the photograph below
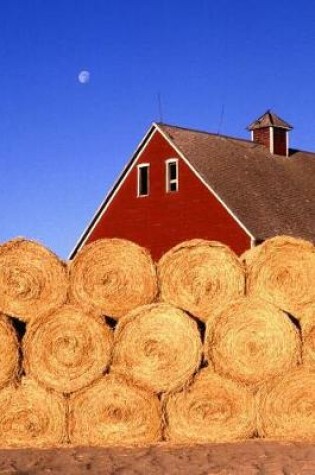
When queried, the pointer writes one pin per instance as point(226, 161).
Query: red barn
point(182, 184)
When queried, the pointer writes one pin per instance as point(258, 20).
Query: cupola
point(271, 131)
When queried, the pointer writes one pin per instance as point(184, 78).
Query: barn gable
point(162, 219)
point(111, 194)
point(182, 184)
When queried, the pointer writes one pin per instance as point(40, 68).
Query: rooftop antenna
point(221, 120)
point(160, 106)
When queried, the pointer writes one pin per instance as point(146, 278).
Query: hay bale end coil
point(67, 350)
point(158, 346)
point(33, 280)
point(111, 412)
point(286, 407)
point(111, 277)
point(30, 416)
point(212, 409)
point(282, 271)
point(251, 341)
point(199, 275)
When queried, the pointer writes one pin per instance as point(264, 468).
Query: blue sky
point(63, 143)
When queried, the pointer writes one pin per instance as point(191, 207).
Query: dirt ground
point(252, 458)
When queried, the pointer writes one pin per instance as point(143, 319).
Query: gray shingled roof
point(270, 194)
point(269, 119)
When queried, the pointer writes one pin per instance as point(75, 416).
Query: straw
point(158, 346)
point(199, 275)
point(252, 341)
point(67, 350)
point(112, 411)
point(31, 416)
point(307, 322)
point(282, 271)
point(111, 277)
point(9, 356)
point(212, 409)
point(33, 281)
point(286, 407)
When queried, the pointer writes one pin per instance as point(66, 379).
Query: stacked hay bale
point(157, 346)
point(211, 409)
point(198, 276)
point(282, 271)
point(31, 416)
point(57, 392)
point(252, 341)
point(33, 283)
point(207, 347)
point(286, 407)
point(111, 277)
point(114, 411)
point(67, 350)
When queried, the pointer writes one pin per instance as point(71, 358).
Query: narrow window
point(172, 175)
point(143, 180)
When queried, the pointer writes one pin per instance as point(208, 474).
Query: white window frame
point(168, 181)
point(143, 165)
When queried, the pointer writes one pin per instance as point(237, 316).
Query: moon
point(84, 76)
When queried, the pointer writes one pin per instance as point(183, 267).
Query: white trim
point(143, 165)
point(252, 242)
point(252, 135)
point(203, 181)
point(287, 143)
point(271, 140)
point(113, 190)
point(168, 181)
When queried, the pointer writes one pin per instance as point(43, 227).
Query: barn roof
point(270, 194)
point(269, 119)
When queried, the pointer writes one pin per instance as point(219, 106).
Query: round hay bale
point(158, 346)
point(112, 411)
point(67, 350)
point(307, 322)
point(9, 356)
point(282, 271)
point(199, 275)
point(31, 416)
point(286, 408)
point(111, 277)
point(212, 409)
point(252, 341)
point(248, 255)
point(33, 281)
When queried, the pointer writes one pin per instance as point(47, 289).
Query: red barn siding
point(279, 142)
point(161, 220)
point(262, 136)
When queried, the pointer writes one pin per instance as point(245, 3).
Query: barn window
point(143, 179)
point(172, 175)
